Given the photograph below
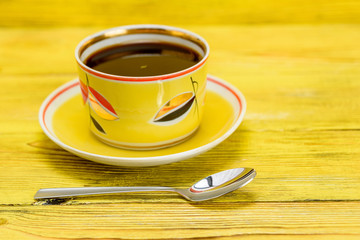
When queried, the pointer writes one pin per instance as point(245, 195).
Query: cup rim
point(121, 29)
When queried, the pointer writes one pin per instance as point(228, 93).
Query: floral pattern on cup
point(99, 104)
point(175, 108)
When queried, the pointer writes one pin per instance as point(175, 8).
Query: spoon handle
point(83, 191)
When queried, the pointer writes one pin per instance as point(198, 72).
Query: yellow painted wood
point(46, 13)
point(296, 62)
point(300, 220)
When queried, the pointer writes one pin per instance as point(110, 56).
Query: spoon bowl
point(210, 187)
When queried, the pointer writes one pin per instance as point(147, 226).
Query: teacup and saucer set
point(143, 98)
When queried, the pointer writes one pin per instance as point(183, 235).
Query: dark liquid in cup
point(143, 59)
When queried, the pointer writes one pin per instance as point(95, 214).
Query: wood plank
point(317, 73)
point(335, 220)
point(291, 166)
point(40, 13)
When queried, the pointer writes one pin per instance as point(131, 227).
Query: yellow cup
point(148, 112)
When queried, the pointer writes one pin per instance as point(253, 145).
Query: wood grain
point(186, 221)
point(43, 13)
point(299, 69)
point(313, 175)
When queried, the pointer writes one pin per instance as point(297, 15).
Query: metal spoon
point(210, 187)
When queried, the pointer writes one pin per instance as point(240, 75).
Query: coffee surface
point(143, 59)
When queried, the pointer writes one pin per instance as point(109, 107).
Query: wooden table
point(296, 62)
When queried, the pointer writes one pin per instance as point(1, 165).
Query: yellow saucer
point(62, 117)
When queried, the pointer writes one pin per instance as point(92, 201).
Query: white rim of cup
point(118, 31)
